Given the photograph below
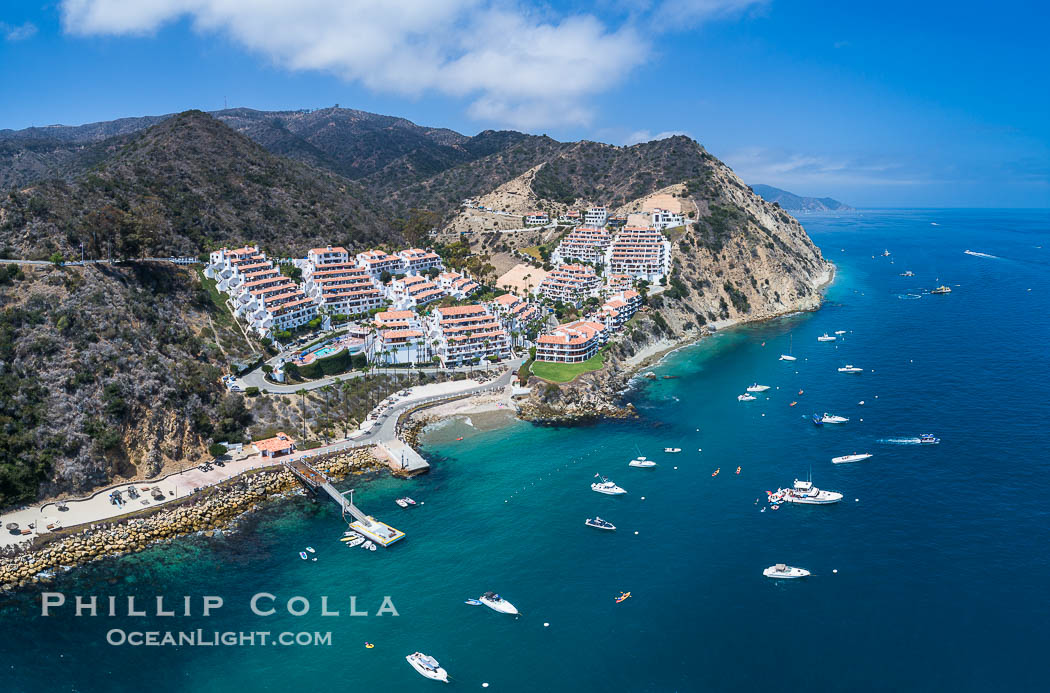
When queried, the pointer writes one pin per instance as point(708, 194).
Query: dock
point(379, 532)
point(403, 459)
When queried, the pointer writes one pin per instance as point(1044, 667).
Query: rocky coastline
point(216, 508)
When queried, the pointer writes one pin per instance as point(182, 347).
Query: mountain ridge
point(798, 203)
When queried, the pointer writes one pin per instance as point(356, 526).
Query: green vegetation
point(564, 372)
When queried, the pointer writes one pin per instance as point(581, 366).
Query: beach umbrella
point(12, 526)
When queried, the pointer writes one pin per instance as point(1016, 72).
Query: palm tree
point(327, 390)
point(345, 387)
point(302, 408)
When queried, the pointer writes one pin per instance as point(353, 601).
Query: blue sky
point(891, 104)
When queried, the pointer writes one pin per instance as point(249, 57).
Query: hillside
point(797, 203)
point(109, 372)
point(185, 184)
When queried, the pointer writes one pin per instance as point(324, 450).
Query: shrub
point(216, 450)
point(252, 391)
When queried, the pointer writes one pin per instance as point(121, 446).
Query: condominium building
point(663, 219)
point(537, 219)
point(571, 216)
point(413, 290)
point(464, 334)
point(418, 261)
point(342, 288)
point(455, 284)
point(376, 262)
point(517, 313)
point(642, 253)
point(569, 284)
point(619, 308)
point(328, 256)
point(595, 216)
point(572, 342)
point(399, 338)
point(265, 299)
point(583, 244)
point(615, 283)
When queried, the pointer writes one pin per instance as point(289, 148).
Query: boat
point(641, 462)
point(755, 387)
point(826, 418)
point(805, 493)
point(907, 273)
point(855, 457)
point(791, 345)
point(746, 397)
point(427, 666)
point(402, 502)
point(928, 439)
point(302, 555)
point(460, 438)
point(368, 545)
point(607, 487)
point(599, 523)
point(473, 602)
point(885, 253)
point(781, 570)
point(354, 541)
point(670, 377)
point(826, 338)
point(715, 473)
point(409, 500)
point(787, 357)
point(850, 368)
point(498, 603)
point(310, 549)
point(793, 404)
point(738, 470)
point(840, 332)
point(650, 375)
point(942, 290)
point(623, 597)
point(672, 449)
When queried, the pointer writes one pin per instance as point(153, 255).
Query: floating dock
point(379, 532)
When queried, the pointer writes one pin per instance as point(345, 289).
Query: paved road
point(72, 263)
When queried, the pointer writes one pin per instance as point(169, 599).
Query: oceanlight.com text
point(119, 637)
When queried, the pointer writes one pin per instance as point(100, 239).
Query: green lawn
point(564, 372)
point(534, 251)
point(222, 314)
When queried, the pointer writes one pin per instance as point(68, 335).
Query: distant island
point(797, 203)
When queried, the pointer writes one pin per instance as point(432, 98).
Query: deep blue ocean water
point(940, 551)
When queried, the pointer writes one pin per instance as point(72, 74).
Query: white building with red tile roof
point(596, 217)
point(327, 256)
point(413, 290)
point(583, 244)
point(418, 261)
point(643, 253)
point(517, 313)
point(619, 308)
point(572, 342)
point(537, 219)
point(377, 262)
point(570, 284)
point(280, 444)
point(342, 288)
point(664, 219)
point(464, 334)
point(455, 284)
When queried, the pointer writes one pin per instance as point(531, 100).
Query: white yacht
point(356, 541)
point(826, 418)
point(855, 457)
point(806, 494)
point(788, 357)
point(607, 487)
point(641, 462)
point(840, 332)
point(781, 570)
point(672, 449)
point(427, 666)
point(498, 603)
point(826, 338)
point(755, 387)
point(791, 345)
point(746, 397)
point(599, 523)
point(850, 368)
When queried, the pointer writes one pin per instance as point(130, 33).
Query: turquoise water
point(941, 558)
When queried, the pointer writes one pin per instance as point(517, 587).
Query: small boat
point(715, 473)
point(310, 549)
point(460, 438)
point(907, 273)
point(805, 493)
point(670, 377)
point(650, 375)
point(498, 603)
point(755, 387)
point(800, 392)
point(672, 449)
point(826, 338)
point(855, 457)
point(942, 290)
point(826, 418)
point(599, 523)
point(371, 547)
point(427, 666)
point(473, 602)
point(738, 470)
point(355, 541)
point(623, 597)
point(368, 545)
point(793, 404)
point(641, 462)
point(928, 439)
point(791, 345)
point(850, 368)
point(781, 570)
point(885, 253)
point(746, 397)
point(408, 500)
point(787, 357)
point(401, 502)
point(302, 555)
point(607, 487)
point(840, 332)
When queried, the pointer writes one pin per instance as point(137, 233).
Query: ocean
point(929, 576)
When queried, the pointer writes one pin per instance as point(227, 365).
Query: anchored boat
point(607, 487)
point(755, 387)
point(641, 462)
point(825, 338)
point(805, 493)
point(746, 397)
point(599, 523)
point(826, 418)
point(850, 368)
point(427, 666)
point(782, 570)
point(498, 603)
point(855, 457)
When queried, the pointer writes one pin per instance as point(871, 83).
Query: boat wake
point(899, 441)
point(976, 254)
point(909, 297)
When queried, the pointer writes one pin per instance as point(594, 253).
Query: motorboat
point(850, 368)
point(787, 357)
point(942, 290)
point(855, 457)
point(672, 449)
point(624, 596)
point(607, 487)
point(746, 397)
point(826, 338)
point(641, 462)
point(755, 387)
point(784, 571)
point(840, 332)
point(408, 500)
point(599, 523)
point(427, 666)
point(356, 541)
point(791, 345)
point(928, 439)
point(805, 493)
point(302, 555)
point(368, 545)
point(885, 253)
point(907, 273)
point(826, 418)
point(401, 502)
point(311, 549)
point(498, 603)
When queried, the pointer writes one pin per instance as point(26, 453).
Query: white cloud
point(640, 136)
point(17, 33)
point(517, 65)
point(796, 171)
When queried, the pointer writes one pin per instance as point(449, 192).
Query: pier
point(379, 532)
